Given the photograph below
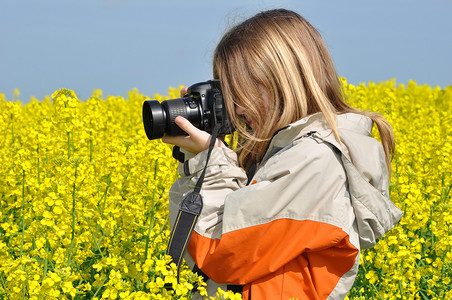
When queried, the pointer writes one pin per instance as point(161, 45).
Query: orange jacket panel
point(282, 259)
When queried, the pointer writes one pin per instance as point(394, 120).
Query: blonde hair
point(280, 52)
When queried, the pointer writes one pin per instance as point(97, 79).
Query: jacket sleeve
point(223, 176)
point(291, 209)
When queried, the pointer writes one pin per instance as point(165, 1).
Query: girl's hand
point(196, 141)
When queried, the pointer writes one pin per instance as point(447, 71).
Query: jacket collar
point(285, 136)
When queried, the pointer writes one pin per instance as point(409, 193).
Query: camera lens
point(185, 107)
point(154, 119)
point(158, 118)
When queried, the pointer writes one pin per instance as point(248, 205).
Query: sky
point(118, 45)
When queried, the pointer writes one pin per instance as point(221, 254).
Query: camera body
point(203, 106)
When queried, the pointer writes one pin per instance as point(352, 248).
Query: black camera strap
point(189, 211)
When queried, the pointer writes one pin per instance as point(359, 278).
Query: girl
point(285, 216)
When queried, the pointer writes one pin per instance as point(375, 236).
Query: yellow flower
point(84, 188)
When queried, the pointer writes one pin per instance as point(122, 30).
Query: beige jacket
point(296, 230)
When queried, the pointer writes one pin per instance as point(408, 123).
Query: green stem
point(12, 129)
point(401, 280)
point(24, 290)
point(23, 213)
point(47, 163)
point(147, 182)
point(124, 182)
point(423, 295)
point(91, 147)
point(68, 145)
point(104, 198)
point(150, 229)
point(151, 214)
point(156, 168)
point(161, 229)
point(73, 217)
point(374, 288)
point(2, 280)
point(101, 286)
point(95, 238)
point(445, 189)
point(39, 172)
point(432, 235)
point(39, 168)
point(46, 262)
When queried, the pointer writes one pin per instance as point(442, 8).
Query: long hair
point(281, 53)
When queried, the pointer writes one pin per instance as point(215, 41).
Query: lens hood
point(154, 119)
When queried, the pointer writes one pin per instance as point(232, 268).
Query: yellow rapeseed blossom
point(84, 199)
point(412, 261)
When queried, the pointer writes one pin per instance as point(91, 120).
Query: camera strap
point(189, 211)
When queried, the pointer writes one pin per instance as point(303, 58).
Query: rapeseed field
point(84, 199)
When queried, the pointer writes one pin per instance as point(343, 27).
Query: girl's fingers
point(181, 141)
point(183, 91)
point(186, 126)
point(196, 141)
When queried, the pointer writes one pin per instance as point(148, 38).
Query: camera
point(203, 106)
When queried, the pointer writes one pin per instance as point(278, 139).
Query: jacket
point(296, 230)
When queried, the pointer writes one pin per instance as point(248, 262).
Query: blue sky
point(117, 45)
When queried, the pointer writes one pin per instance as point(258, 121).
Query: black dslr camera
point(203, 106)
